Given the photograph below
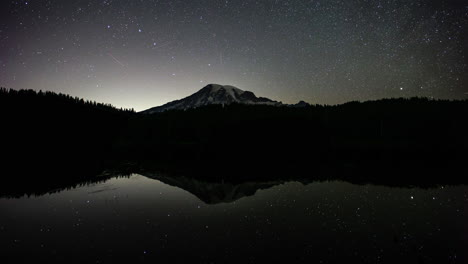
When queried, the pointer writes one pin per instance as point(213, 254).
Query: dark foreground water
point(141, 219)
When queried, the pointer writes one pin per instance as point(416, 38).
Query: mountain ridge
point(215, 94)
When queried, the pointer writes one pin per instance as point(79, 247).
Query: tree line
point(47, 130)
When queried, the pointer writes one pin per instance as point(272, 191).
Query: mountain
point(214, 94)
point(301, 104)
point(213, 192)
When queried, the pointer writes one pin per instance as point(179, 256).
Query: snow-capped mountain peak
point(213, 94)
point(213, 88)
point(222, 92)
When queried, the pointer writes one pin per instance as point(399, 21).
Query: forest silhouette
point(53, 140)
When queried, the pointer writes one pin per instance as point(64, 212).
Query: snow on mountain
point(301, 104)
point(214, 94)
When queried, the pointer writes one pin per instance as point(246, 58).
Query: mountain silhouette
point(214, 94)
point(214, 192)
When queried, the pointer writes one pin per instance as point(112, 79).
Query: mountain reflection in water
point(163, 218)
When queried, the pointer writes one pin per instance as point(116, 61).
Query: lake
point(156, 218)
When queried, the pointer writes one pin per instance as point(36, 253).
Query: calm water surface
point(142, 219)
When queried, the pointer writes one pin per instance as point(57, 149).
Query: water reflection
point(141, 219)
point(213, 192)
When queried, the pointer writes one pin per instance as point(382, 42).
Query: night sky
point(140, 54)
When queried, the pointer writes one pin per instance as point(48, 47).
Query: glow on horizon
point(143, 54)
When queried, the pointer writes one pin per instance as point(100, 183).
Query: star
point(325, 51)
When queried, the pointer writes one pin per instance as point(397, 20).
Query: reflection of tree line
point(209, 192)
point(55, 138)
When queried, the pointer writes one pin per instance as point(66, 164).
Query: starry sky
point(143, 53)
